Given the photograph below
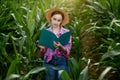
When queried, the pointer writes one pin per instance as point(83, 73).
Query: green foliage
point(20, 24)
point(34, 71)
point(103, 74)
point(18, 36)
point(64, 75)
point(84, 74)
point(77, 72)
point(76, 40)
point(105, 25)
point(13, 76)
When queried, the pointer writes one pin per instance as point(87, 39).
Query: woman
point(57, 58)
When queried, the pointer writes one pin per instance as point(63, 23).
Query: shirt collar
point(60, 32)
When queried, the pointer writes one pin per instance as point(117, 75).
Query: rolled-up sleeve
point(68, 48)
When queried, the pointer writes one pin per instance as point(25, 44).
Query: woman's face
point(56, 20)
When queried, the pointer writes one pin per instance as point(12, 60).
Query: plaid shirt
point(50, 53)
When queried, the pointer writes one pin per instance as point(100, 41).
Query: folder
point(47, 38)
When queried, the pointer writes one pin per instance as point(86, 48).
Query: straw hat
point(49, 13)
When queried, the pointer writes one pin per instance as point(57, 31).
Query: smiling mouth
point(55, 25)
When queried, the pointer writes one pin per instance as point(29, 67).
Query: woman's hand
point(42, 48)
point(60, 46)
point(57, 44)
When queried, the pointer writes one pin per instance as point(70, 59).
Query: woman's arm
point(65, 49)
point(60, 46)
point(42, 48)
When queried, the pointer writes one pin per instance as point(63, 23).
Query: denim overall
point(58, 62)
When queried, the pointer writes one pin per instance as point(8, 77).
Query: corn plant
point(17, 35)
point(105, 26)
point(20, 24)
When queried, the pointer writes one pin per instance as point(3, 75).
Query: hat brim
point(66, 16)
